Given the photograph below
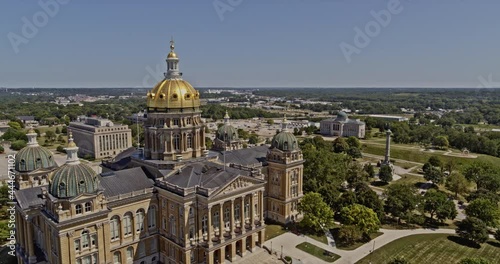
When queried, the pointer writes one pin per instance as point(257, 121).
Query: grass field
point(433, 248)
point(273, 231)
point(359, 244)
point(318, 252)
point(416, 155)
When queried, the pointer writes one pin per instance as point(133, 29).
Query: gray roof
point(124, 181)
point(30, 197)
point(245, 156)
point(204, 174)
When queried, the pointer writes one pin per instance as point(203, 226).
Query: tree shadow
point(464, 242)
point(378, 183)
point(494, 243)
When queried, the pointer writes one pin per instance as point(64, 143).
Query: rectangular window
point(93, 240)
point(77, 244)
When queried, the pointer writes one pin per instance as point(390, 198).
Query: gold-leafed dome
point(173, 93)
point(71, 143)
point(172, 55)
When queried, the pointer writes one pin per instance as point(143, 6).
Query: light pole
point(281, 251)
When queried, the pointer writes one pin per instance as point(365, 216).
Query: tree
point(15, 125)
point(58, 131)
point(348, 235)
point(385, 173)
point(497, 234)
point(243, 134)
point(37, 131)
point(473, 261)
point(253, 139)
point(435, 161)
point(362, 217)
point(64, 130)
point(355, 174)
point(364, 195)
point(401, 200)
point(50, 135)
point(18, 144)
point(317, 214)
point(340, 145)
point(484, 209)
point(437, 203)
point(355, 153)
point(485, 194)
point(473, 229)
point(457, 183)
point(2, 149)
point(441, 142)
point(426, 167)
point(368, 167)
point(477, 171)
point(353, 142)
point(398, 260)
point(270, 121)
point(433, 175)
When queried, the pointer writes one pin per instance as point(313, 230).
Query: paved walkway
point(290, 240)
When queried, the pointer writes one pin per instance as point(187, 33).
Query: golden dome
point(172, 55)
point(71, 143)
point(173, 93)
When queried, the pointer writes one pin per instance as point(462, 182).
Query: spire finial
point(284, 124)
point(226, 117)
point(172, 46)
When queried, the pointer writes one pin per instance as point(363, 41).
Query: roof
point(30, 197)
point(124, 181)
point(204, 174)
point(245, 156)
point(26, 118)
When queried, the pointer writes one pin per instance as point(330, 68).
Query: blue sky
point(253, 43)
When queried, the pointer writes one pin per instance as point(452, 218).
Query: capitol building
point(174, 202)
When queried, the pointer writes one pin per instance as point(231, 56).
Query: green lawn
point(318, 252)
point(273, 231)
point(359, 244)
point(433, 248)
point(416, 155)
point(320, 238)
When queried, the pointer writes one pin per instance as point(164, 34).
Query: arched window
point(114, 227)
point(177, 142)
point(204, 224)
point(117, 258)
point(130, 254)
point(85, 239)
point(152, 217)
point(127, 224)
point(78, 209)
point(189, 141)
point(62, 189)
point(237, 212)
point(173, 230)
point(139, 222)
point(191, 212)
point(88, 207)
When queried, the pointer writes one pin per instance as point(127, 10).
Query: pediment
point(237, 185)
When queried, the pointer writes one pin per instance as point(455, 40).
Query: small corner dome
point(227, 133)
point(71, 180)
point(285, 141)
point(31, 158)
point(342, 115)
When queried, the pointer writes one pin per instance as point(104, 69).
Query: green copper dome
point(342, 115)
point(71, 180)
point(227, 133)
point(33, 157)
point(285, 141)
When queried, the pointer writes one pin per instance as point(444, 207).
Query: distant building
point(141, 117)
point(100, 137)
point(390, 118)
point(28, 120)
point(342, 126)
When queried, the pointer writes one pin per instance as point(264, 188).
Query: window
point(152, 217)
point(164, 223)
point(247, 210)
point(78, 209)
point(115, 228)
point(117, 259)
point(204, 224)
point(177, 142)
point(176, 121)
point(189, 141)
point(88, 207)
point(216, 219)
point(85, 239)
point(173, 230)
point(139, 224)
point(191, 213)
point(130, 253)
point(127, 224)
point(93, 240)
point(227, 214)
point(77, 244)
point(141, 249)
point(237, 212)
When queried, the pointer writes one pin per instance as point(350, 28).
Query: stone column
point(221, 221)
point(252, 211)
point(209, 227)
point(387, 147)
point(210, 257)
point(31, 246)
point(242, 215)
point(231, 218)
point(222, 254)
point(261, 207)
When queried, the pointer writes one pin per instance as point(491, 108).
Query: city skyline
point(243, 44)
